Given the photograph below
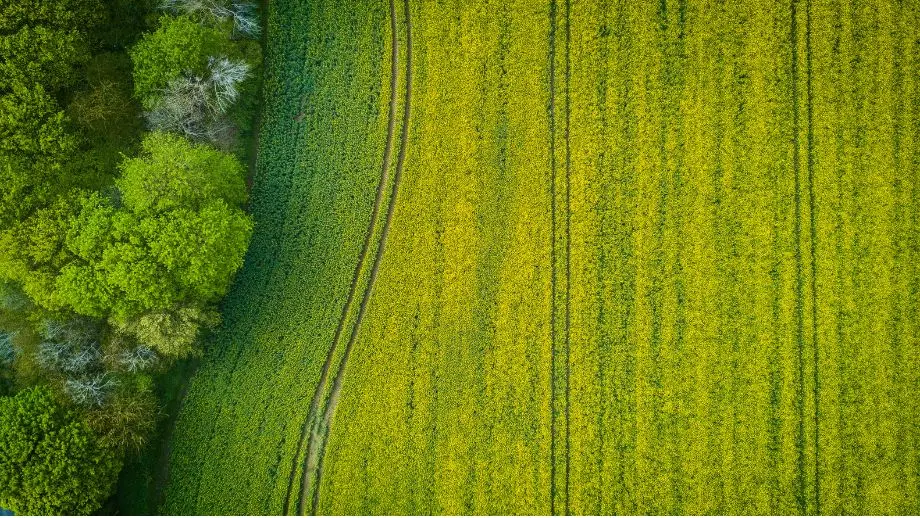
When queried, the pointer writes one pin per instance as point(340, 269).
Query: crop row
point(445, 407)
point(743, 278)
point(730, 269)
point(320, 144)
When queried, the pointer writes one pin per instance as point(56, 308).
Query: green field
point(573, 257)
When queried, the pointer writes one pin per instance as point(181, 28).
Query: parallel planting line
point(311, 424)
point(813, 235)
point(554, 260)
point(568, 251)
point(552, 318)
point(801, 498)
point(317, 444)
point(799, 284)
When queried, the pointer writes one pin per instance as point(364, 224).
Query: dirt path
point(335, 395)
point(315, 428)
point(316, 453)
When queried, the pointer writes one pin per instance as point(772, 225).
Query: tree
point(50, 461)
point(201, 249)
point(57, 14)
point(242, 15)
point(172, 173)
point(91, 390)
point(114, 273)
point(45, 41)
point(33, 126)
point(177, 238)
point(126, 421)
point(196, 107)
point(179, 46)
point(173, 332)
point(71, 346)
point(130, 264)
point(106, 110)
point(32, 250)
point(134, 360)
point(40, 55)
point(34, 142)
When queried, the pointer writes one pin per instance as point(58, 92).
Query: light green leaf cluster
point(171, 173)
point(178, 237)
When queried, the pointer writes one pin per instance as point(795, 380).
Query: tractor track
point(316, 428)
point(552, 318)
point(568, 252)
point(805, 183)
point(565, 232)
point(310, 424)
point(813, 238)
point(335, 394)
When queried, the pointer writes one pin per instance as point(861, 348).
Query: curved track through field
point(310, 424)
point(336, 392)
point(316, 427)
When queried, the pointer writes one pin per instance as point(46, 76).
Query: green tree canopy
point(56, 14)
point(130, 264)
point(24, 187)
point(45, 41)
point(173, 173)
point(179, 45)
point(175, 238)
point(35, 142)
point(39, 55)
point(32, 250)
point(33, 126)
point(50, 461)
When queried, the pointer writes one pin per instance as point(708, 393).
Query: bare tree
point(243, 14)
point(246, 19)
point(138, 359)
point(225, 76)
point(196, 107)
point(182, 108)
point(90, 390)
point(70, 346)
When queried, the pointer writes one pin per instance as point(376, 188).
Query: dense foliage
point(50, 460)
point(178, 46)
point(44, 42)
point(177, 236)
point(115, 246)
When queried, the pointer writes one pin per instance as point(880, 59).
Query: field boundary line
point(812, 248)
point(813, 234)
point(308, 429)
point(568, 251)
point(317, 448)
point(552, 150)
